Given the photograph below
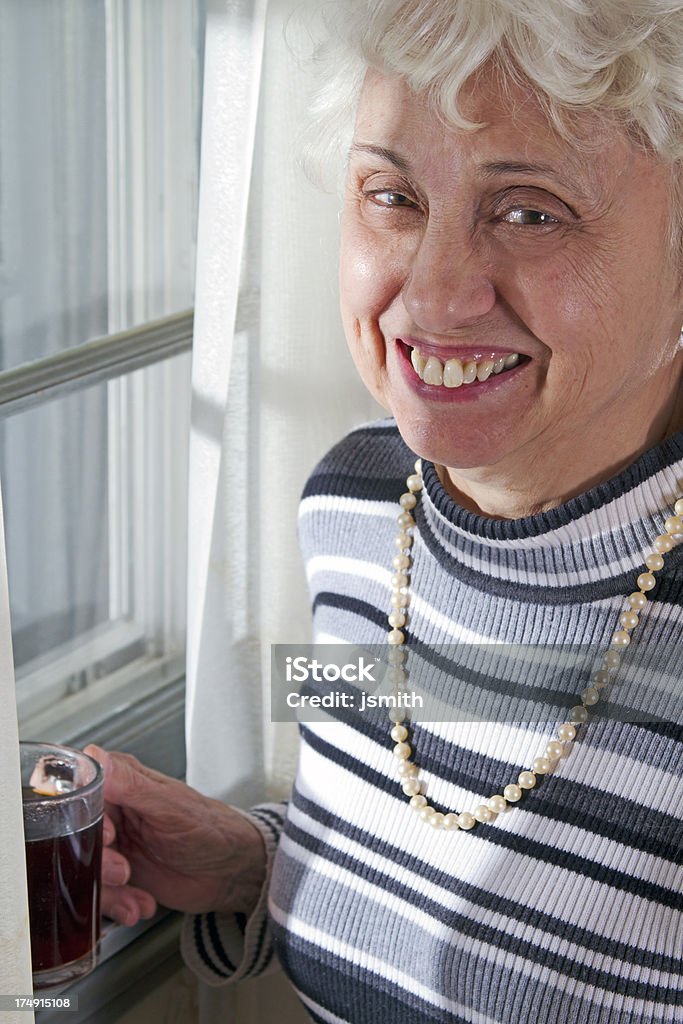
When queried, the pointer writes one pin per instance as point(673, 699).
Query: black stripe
point(338, 986)
point(670, 587)
point(550, 809)
point(257, 813)
point(201, 948)
point(217, 944)
point(478, 897)
point(279, 819)
point(263, 945)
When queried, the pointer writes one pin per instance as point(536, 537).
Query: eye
point(387, 197)
point(528, 217)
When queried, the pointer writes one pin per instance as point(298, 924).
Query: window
point(99, 153)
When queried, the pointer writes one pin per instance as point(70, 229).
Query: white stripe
point(392, 820)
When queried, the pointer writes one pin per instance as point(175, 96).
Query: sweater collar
point(602, 535)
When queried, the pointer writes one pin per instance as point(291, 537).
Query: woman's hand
point(166, 843)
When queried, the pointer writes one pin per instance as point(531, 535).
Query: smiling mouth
point(456, 373)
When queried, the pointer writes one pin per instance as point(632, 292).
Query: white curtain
point(15, 958)
point(273, 388)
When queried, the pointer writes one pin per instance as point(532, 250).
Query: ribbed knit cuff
point(221, 948)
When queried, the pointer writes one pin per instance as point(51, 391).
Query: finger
point(108, 830)
point(127, 905)
point(127, 781)
point(115, 868)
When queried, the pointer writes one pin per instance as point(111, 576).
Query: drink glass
point(63, 803)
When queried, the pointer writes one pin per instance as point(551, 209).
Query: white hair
point(623, 58)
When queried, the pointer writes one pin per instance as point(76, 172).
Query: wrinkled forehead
point(511, 125)
point(492, 102)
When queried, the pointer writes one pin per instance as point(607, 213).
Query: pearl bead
point(402, 750)
point(411, 787)
point(395, 636)
point(396, 674)
point(395, 656)
point(418, 802)
point(590, 696)
point(512, 793)
point(602, 677)
point(396, 715)
point(450, 822)
point(526, 780)
point(638, 600)
point(612, 659)
point(579, 715)
point(497, 803)
point(554, 750)
point(405, 520)
point(646, 581)
point(400, 561)
point(566, 732)
point(629, 620)
point(403, 540)
point(407, 500)
point(399, 600)
point(400, 580)
point(418, 466)
point(426, 812)
point(654, 562)
point(541, 765)
point(397, 618)
point(414, 482)
point(678, 507)
point(436, 819)
point(663, 543)
point(484, 813)
point(674, 524)
point(621, 638)
point(399, 733)
point(406, 769)
point(466, 820)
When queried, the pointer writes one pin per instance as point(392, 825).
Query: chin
point(470, 452)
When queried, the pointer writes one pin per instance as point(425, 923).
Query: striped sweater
point(569, 907)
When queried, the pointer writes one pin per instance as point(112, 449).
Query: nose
point(449, 284)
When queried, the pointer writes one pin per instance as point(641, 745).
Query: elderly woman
point(512, 293)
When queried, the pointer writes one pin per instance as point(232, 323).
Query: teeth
point(485, 369)
point(433, 371)
point(454, 373)
point(469, 373)
point(418, 362)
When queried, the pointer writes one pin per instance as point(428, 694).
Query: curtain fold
point(15, 957)
point(273, 388)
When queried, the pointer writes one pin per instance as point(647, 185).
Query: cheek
point(365, 291)
point(370, 274)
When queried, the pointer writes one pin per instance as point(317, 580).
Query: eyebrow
point(493, 169)
point(383, 153)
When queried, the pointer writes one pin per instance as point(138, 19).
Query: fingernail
point(122, 914)
point(117, 874)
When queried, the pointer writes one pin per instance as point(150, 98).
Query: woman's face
point(508, 254)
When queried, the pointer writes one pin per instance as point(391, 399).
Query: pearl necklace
point(558, 747)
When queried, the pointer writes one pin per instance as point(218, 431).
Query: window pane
point(99, 130)
point(94, 490)
point(53, 462)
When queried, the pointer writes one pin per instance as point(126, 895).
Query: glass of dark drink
point(63, 805)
